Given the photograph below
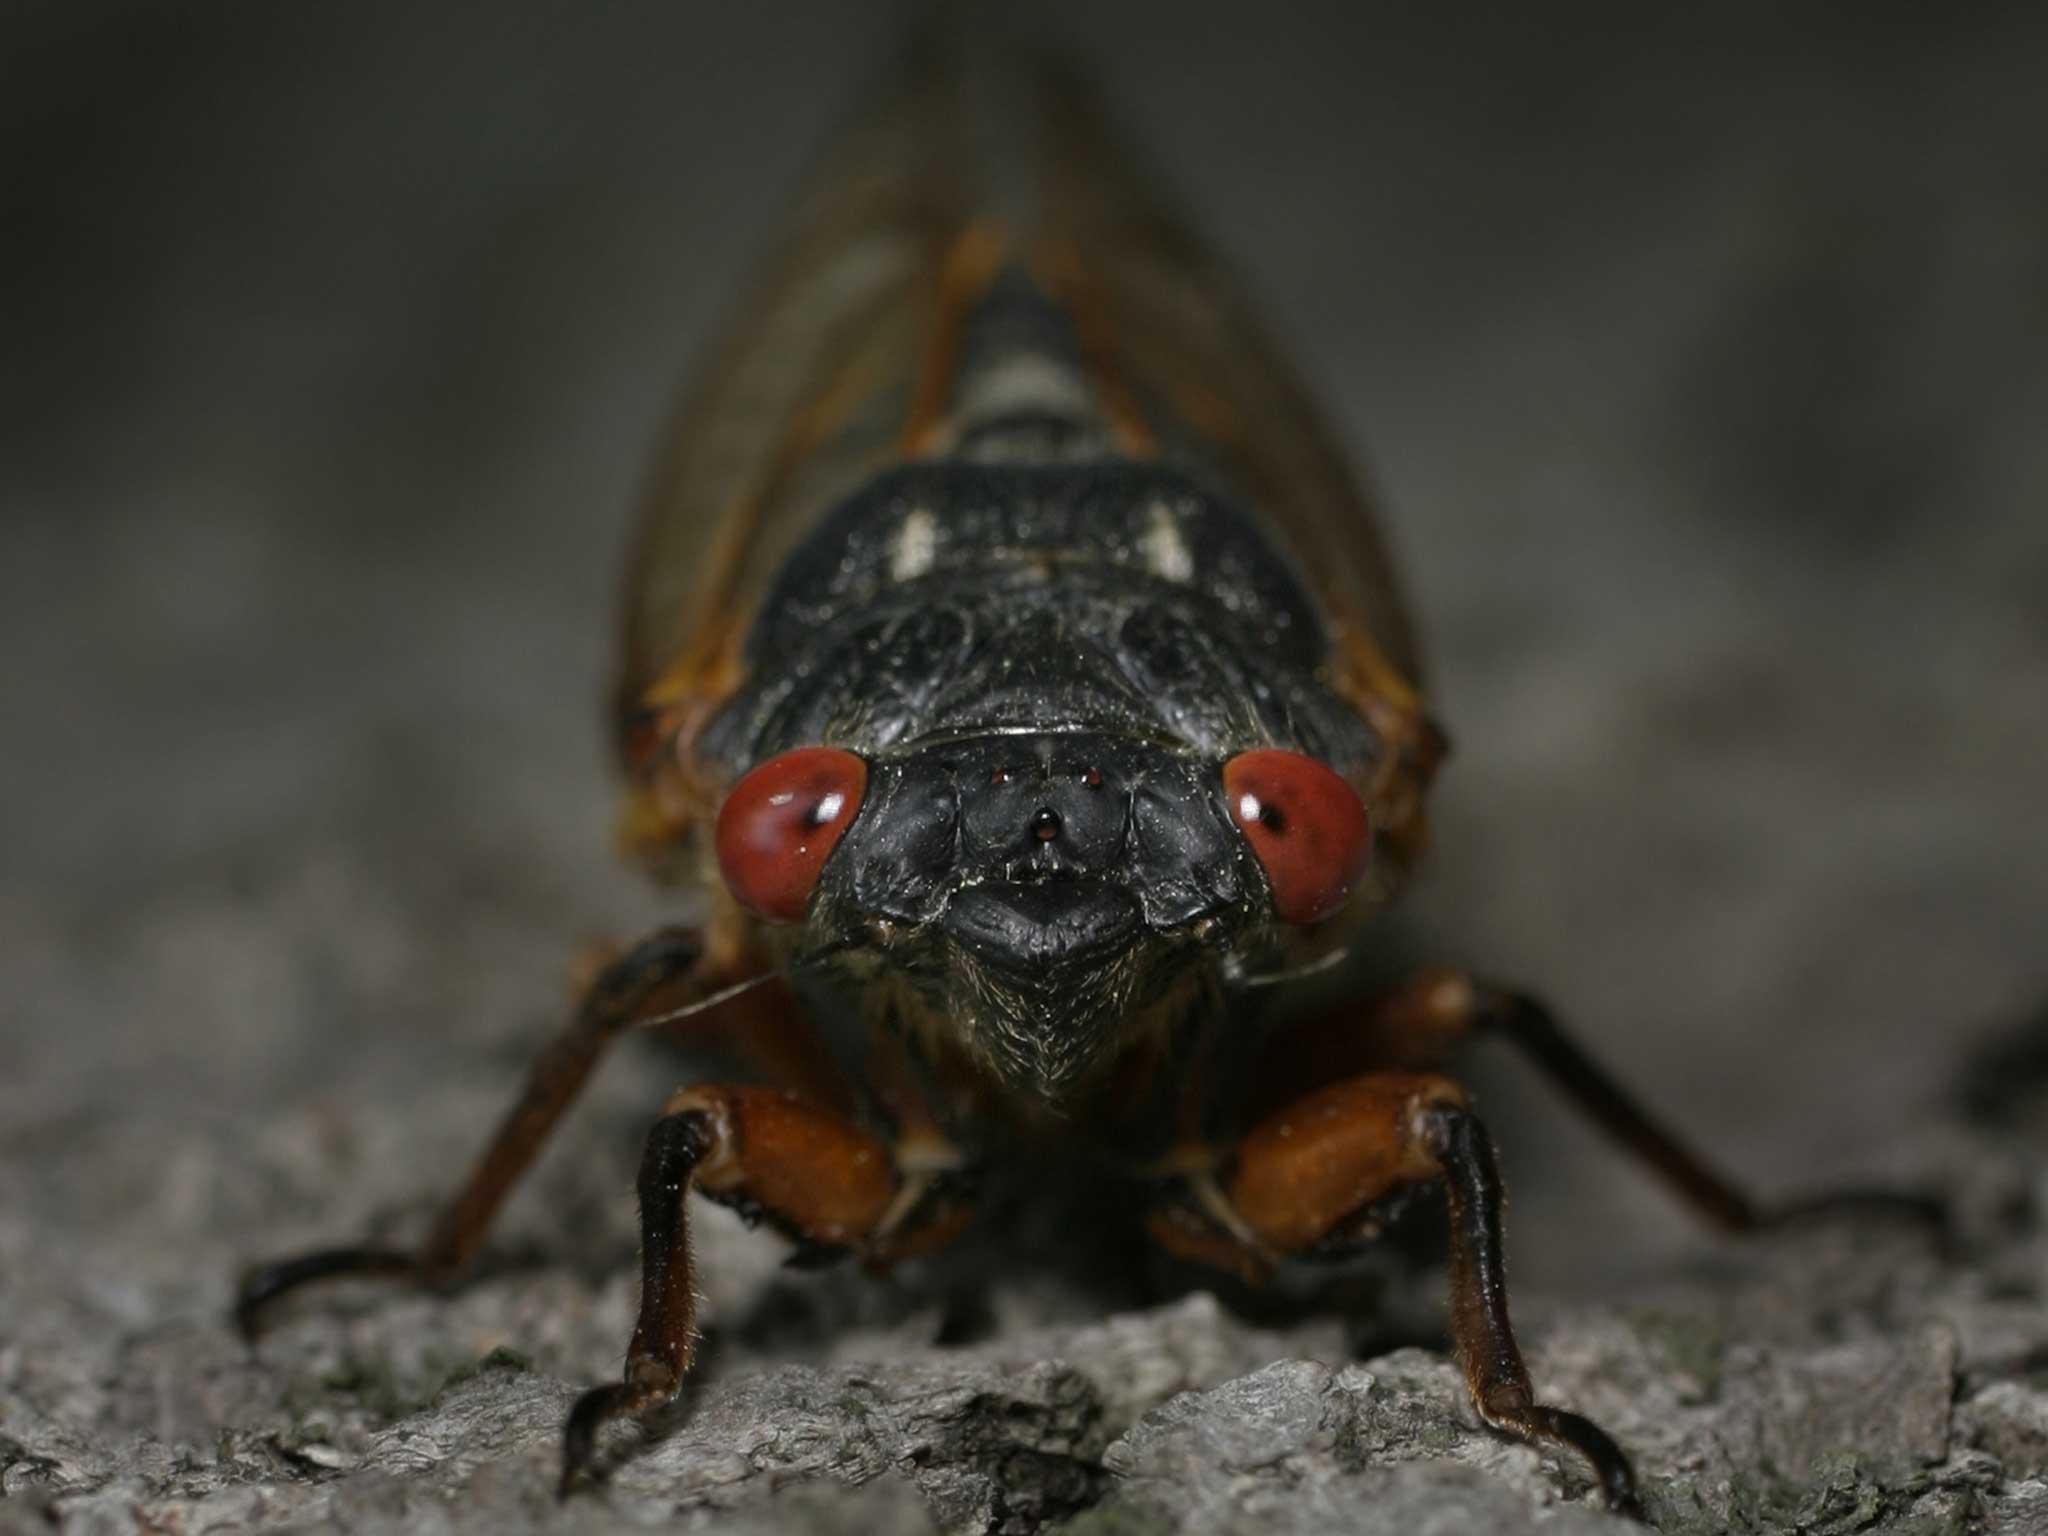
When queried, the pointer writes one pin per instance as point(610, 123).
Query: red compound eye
point(780, 823)
point(1307, 826)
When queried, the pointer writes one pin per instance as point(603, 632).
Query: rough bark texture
point(1843, 1377)
point(1703, 361)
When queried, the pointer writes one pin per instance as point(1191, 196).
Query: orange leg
point(818, 1177)
point(665, 967)
point(1425, 1020)
point(1315, 1170)
point(1439, 1010)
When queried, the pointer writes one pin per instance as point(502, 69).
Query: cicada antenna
point(707, 1002)
point(1315, 967)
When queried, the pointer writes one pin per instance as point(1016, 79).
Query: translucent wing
point(1204, 375)
point(809, 394)
point(968, 183)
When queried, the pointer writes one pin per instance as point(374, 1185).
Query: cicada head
point(1042, 893)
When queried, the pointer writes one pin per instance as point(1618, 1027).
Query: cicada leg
point(819, 1178)
point(1437, 1011)
point(667, 962)
point(1312, 1170)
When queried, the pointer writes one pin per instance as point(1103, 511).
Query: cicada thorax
point(952, 600)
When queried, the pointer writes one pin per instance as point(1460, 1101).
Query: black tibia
point(1492, 1362)
point(665, 1336)
point(1522, 1019)
point(1533, 1029)
point(620, 993)
point(267, 1281)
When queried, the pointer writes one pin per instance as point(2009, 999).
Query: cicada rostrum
point(1014, 674)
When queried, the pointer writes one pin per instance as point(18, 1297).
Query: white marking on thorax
point(1166, 553)
point(916, 545)
point(1026, 381)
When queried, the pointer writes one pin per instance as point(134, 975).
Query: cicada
point(1014, 674)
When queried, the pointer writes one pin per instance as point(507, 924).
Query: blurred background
point(1702, 361)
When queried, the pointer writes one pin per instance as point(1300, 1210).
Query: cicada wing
point(1201, 370)
point(849, 358)
point(809, 393)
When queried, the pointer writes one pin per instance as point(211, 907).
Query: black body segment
point(951, 598)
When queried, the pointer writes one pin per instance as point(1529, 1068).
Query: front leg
point(817, 1177)
point(1424, 1021)
point(626, 989)
point(1315, 1170)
